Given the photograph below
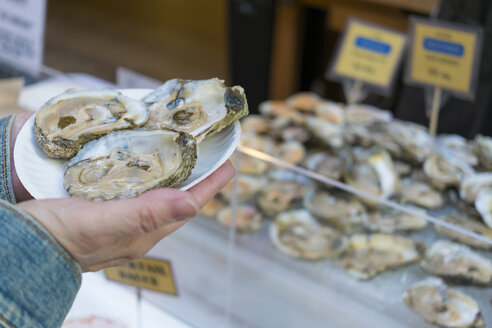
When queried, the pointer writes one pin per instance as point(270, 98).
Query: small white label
point(22, 33)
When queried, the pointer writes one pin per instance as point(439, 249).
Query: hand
point(21, 194)
point(103, 234)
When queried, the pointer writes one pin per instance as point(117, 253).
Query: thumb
point(145, 213)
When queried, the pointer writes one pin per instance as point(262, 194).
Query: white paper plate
point(43, 176)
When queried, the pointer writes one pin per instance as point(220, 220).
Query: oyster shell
point(326, 164)
point(304, 101)
point(457, 263)
point(483, 149)
point(445, 171)
point(414, 140)
point(68, 121)
point(330, 111)
point(297, 234)
point(254, 124)
point(200, 108)
point(483, 204)
point(279, 109)
point(369, 255)
point(247, 186)
point(328, 133)
point(473, 184)
point(127, 163)
point(291, 151)
point(467, 224)
point(438, 304)
point(247, 219)
point(390, 221)
point(366, 115)
point(458, 147)
point(420, 194)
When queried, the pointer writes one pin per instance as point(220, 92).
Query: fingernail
point(184, 208)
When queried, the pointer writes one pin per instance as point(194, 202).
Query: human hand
point(21, 194)
point(99, 235)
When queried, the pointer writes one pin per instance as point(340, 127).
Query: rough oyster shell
point(483, 204)
point(389, 221)
point(247, 186)
point(366, 115)
point(328, 133)
point(247, 219)
point(369, 255)
point(457, 263)
point(483, 149)
point(420, 194)
point(304, 101)
point(445, 171)
point(127, 163)
point(291, 151)
point(326, 164)
point(473, 184)
point(438, 304)
point(68, 121)
point(458, 147)
point(298, 234)
point(467, 224)
point(330, 111)
point(414, 140)
point(200, 108)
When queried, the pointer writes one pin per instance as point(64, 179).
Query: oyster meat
point(483, 204)
point(298, 234)
point(127, 163)
point(458, 147)
point(466, 224)
point(68, 121)
point(457, 263)
point(438, 304)
point(247, 218)
point(390, 220)
point(200, 108)
point(369, 255)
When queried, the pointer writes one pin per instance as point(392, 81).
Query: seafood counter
point(446, 263)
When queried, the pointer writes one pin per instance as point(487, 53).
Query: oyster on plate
point(371, 254)
point(457, 263)
point(483, 149)
point(438, 304)
point(444, 171)
point(200, 108)
point(472, 184)
point(390, 220)
point(466, 224)
point(123, 164)
point(247, 218)
point(247, 186)
point(297, 234)
point(68, 121)
point(336, 208)
point(483, 204)
point(420, 194)
point(325, 164)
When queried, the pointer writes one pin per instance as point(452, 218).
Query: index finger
point(206, 189)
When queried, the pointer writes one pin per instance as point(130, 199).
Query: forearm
point(39, 278)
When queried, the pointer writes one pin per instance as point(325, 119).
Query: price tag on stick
point(446, 58)
point(366, 59)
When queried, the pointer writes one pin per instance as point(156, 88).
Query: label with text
point(368, 53)
point(145, 273)
point(444, 55)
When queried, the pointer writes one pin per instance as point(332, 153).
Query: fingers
point(206, 189)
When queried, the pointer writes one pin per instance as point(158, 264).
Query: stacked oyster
point(383, 159)
point(120, 147)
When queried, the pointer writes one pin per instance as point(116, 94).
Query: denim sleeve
point(6, 191)
point(39, 279)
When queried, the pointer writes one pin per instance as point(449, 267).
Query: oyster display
point(457, 263)
point(369, 255)
point(127, 163)
point(336, 208)
point(326, 164)
point(445, 171)
point(297, 234)
point(473, 184)
point(200, 108)
point(458, 147)
point(390, 220)
point(366, 115)
point(483, 149)
point(438, 304)
point(304, 101)
point(247, 218)
point(291, 151)
point(279, 109)
point(483, 204)
point(330, 111)
point(212, 208)
point(414, 140)
point(247, 186)
point(328, 133)
point(295, 133)
point(68, 121)
point(420, 194)
point(467, 224)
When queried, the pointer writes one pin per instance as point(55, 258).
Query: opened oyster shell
point(326, 164)
point(298, 234)
point(483, 149)
point(414, 140)
point(467, 224)
point(366, 115)
point(369, 255)
point(304, 101)
point(330, 112)
point(445, 171)
point(483, 204)
point(473, 184)
point(438, 304)
point(68, 121)
point(247, 186)
point(247, 218)
point(390, 220)
point(200, 108)
point(279, 109)
point(457, 263)
point(328, 133)
point(127, 163)
point(420, 194)
point(458, 147)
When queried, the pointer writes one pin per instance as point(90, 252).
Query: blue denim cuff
point(39, 279)
point(6, 190)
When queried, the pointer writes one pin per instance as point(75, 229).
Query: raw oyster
point(414, 140)
point(466, 224)
point(366, 115)
point(457, 263)
point(298, 234)
point(247, 218)
point(483, 148)
point(330, 112)
point(127, 163)
point(304, 101)
point(247, 186)
point(458, 147)
point(291, 151)
point(295, 133)
point(483, 204)
point(438, 304)
point(326, 164)
point(254, 124)
point(200, 108)
point(473, 184)
point(279, 109)
point(390, 220)
point(212, 208)
point(403, 169)
point(68, 121)
point(420, 194)
point(445, 171)
point(369, 255)
point(251, 165)
point(336, 208)
point(328, 133)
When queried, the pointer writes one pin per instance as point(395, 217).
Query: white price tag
point(22, 33)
